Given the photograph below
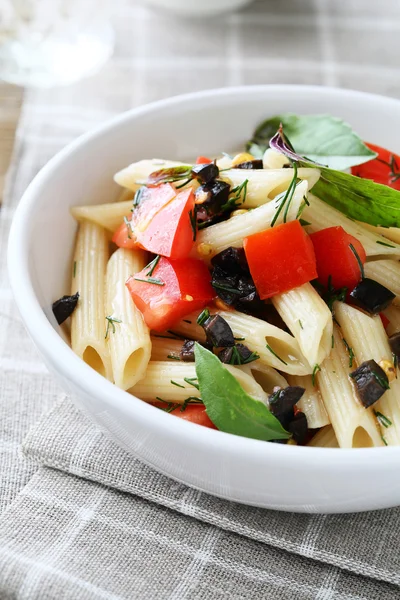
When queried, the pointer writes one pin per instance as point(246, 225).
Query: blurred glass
point(53, 42)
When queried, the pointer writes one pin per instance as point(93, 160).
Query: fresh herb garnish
point(350, 351)
point(192, 381)
point(314, 373)
point(333, 342)
point(382, 419)
point(301, 324)
point(304, 223)
point(203, 316)
point(239, 339)
point(177, 384)
point(172, 356)
point(275, 354)
point(384, 440)
point(236, 359)
point(128, 227)
point(138, 198)
point(170, 174)
point(395, 361)
point(190, 400)
point(285, 199)
point(187, 321)
point(385, 244)
point(382, 382)
point(111, 323)
point(237, 199)
point(152, 280)
point(152, 265)
point(74, 273)
point(229, 407)
point(358, 259)
point(226, 288)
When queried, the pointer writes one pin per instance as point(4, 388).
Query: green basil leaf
point(321, 138)
point(229, 407)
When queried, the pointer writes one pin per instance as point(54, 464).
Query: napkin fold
point(241, 547)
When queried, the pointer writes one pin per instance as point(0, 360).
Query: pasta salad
point(257, 293)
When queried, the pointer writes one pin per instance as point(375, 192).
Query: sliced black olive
point(283, 400)
point(298, 427)
point(64, 307)
point(231, 260)
point(187, 351)
point(210, 198)
point(257, 163)
point(235, 355)
point(205, 172)
point(218, 332)
point(371, 296)
point(371, 382)
point(394, 342)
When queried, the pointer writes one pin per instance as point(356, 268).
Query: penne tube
point(311, 403)
point(136, 174)
point(320, 215)
point(125, 195)
point(128, 337)
point(88, 323)
point(263, 185)
point(110, 216)
point(325, 438)
point(367, 336)
point(165, 349)
point(169, 381)
point(392, 313)
point(386, 272)
point(266, 376)
point(309, 319)
point(390, 233)
point(275, 347)
point(214, 239)
point(354, 425)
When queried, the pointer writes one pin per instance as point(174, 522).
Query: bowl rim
point(51, 344)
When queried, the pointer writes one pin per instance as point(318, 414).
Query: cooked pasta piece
point(135, 175)
point(320, 215)
point(311, 402)
point(354, 425)
point(173, 382)
point(366, 335)
point(128, 336)
point(266, 376)
point(165, 349)
point(274, 160)
point(325, 438)
point(275, 347)
point(392, 313)
point(109, 216)
point(88, 323)
point(309, 319)
point(217, 237)
point(390, 233)
point(386, 272)
point(265, 184)
point(126, 195)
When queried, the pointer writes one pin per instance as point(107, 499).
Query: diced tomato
point(336, 262)
point(203, 160)
point(178, 288)
point(385, 320)
point(385, 168)
point(280, 259)
point(161, 224)
point(195, 413)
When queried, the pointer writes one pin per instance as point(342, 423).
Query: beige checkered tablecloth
point(79, 519)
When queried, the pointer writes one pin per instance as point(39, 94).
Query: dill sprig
point(314, 373)
point(192, 381)
point(350, 351)
point(237, 198)
point(275, 354)
point(385, 244)
point(111, 323)
point(152, 280)
point(152, 265)
point(358, 259)
point(203, 316)
point(286, 198)
point(382, 419)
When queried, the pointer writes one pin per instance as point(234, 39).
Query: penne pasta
point(110, 216)
point(392, 313)
point(309, 319)
point(311, 403)
point(320, 216)
point(216, 238)
point(325, 438)
point(128, 336)
point(390, 233)
point(169, 381)
point(275, 347)
point(88, 324)
point(386, 272)
point(135, 175)
point(367, 337)
point(354, 426)
point(266, 376)
point(163, 348)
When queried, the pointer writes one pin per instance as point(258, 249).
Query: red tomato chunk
point(161, 224)
point(185, 286)
point(195, 413)
point(280, 259)
point(203, 160)
point(385, 168)
point(336, 262)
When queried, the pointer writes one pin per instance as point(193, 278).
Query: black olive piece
point(371, 382)
point(187, 351)
point(394, 342)
point(64, 307)
point(218, 332)
point(371, 296)
point(282, 401)
point(205, 172)
point(298, 427)
point(215, 193)
point(229, 356)
point(231, 260)
point(257, 163)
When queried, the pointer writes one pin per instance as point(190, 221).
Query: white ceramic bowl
point(198, 8)
point(40, 247)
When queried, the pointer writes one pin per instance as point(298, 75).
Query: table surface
point(10, 107)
